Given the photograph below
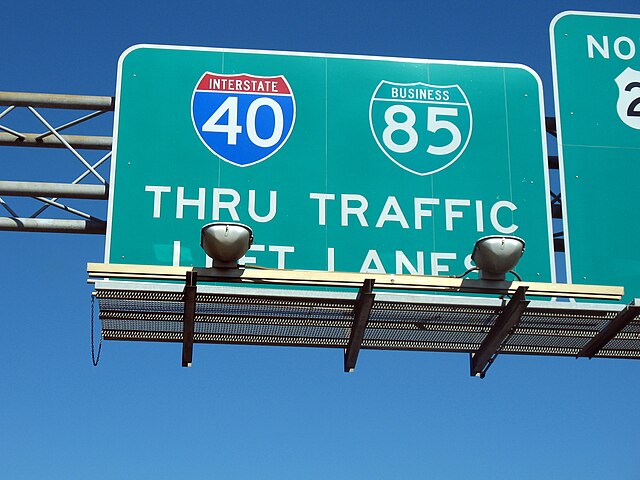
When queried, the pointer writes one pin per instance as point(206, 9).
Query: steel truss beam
point(47, 194)
point(87, 142)
point(61, 190)
point(51, 100)
point(52, 225)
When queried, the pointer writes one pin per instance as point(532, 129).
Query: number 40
point(232, 129)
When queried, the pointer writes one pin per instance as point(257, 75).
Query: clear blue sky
point(257, 412)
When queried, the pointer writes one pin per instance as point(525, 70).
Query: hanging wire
point(516, 275)
point(94, 359)
point(472, 269)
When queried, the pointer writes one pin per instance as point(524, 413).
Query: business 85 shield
point(243, 118)
point(423, 128)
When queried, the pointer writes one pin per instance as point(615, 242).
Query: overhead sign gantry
point(379, 166)
point(438, 153)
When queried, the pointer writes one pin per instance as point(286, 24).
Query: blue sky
point(256, 412)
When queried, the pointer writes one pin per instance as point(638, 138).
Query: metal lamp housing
point(226, 243)
point(496, 255)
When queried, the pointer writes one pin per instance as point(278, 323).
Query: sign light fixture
point(226, 243)
point(496, 255)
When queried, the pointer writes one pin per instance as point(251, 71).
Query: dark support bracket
point(550, 124)
point(508, 319)
point(620, 321)
point(361, 311)
point(189, 318)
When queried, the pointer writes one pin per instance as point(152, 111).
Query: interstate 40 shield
point(243, 119)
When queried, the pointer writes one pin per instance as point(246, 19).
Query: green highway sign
point(336, 162)
point(596, 59)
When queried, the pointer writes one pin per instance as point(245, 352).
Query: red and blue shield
point(243, 119)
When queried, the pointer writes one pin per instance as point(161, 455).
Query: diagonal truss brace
point(499, 333)
point(75, 185)
point(614, 327)
point(189, 318)
point(62, 140)
point(361, 311)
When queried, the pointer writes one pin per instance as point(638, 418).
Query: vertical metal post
point(189, 316)
point(506, 321)
point(362, 309)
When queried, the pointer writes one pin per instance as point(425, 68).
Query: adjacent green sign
point(596, 58)
point(336, 162)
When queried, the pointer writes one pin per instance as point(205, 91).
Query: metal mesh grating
point(573, 319)
point(282, 310)
point(118, 305)
point(241, 315)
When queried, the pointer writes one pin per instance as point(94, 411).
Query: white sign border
point(533, 73)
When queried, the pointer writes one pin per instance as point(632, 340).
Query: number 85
point(434, 124)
